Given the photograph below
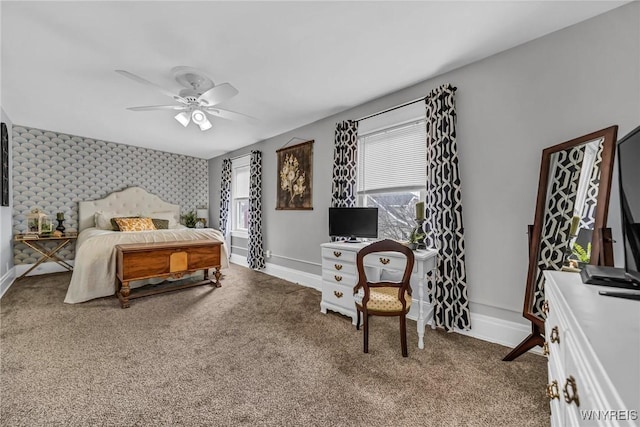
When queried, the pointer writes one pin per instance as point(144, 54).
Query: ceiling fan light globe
point(200, 118)
point(205, 126)
point(183, 118)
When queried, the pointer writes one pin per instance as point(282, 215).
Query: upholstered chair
point(383, 298)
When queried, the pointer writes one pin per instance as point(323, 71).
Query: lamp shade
point(183, 118)
point(202, 213)
point(201, 120)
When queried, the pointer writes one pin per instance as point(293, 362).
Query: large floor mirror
point(572, 205)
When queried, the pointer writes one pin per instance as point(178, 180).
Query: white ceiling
point(293, 62)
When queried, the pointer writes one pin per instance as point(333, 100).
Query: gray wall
point(6, 258)
point(510, 106)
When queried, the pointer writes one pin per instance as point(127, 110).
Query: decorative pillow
point(114, 223)
point(103, 219)
point(167, 216)
point(135, 224)
point(160, 224)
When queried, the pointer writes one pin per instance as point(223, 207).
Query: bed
point(94, 273)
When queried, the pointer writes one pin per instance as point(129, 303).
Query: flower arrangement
point(291, 179)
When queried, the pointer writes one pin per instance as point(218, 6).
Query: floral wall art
point(295, 176)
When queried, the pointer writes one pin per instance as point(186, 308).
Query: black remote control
point(626, 295)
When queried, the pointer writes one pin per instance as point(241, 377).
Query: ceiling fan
point(196, 101)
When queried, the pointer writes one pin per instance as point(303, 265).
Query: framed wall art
point(295, 177)
point(4, 171)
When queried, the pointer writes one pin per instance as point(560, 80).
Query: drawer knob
point(384, 261)
point(555, 335)
point(545, 348)
point(338, 278)
point(338, 294)
point(571, 391)
point(338, 267)
point(552, 390)
point(545, 307)
point(337, 254)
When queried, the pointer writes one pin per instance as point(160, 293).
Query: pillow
point(167, 216)
point(114, 223)
point(135, 224)
point(160, 224)
point(103, 219)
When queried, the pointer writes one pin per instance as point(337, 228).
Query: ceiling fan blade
point(148, 83)
point(160, 107)
point(229, 115)
point(218, 94)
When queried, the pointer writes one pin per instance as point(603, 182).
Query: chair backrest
point(386, 245)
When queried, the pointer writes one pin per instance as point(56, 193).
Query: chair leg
point(357, 319)
point(403, 334)
point(365, 319)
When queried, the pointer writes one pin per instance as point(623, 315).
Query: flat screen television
point(628, 151)
point(629, 170)
point(353, 223)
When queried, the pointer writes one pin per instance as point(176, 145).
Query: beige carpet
point(255, 352)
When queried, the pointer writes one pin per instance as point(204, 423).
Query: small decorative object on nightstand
point(47, 227)
point(60, 219)
point(202, 214)
point(35, 220)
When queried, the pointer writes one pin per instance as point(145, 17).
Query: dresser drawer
point(338, 294)
point(554, 394)
point(339, 267)
point(339, 255)
point(388, 261)
point(339, 278)
point(555, 325)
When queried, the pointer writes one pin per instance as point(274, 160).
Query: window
point(240, 175)
point(392, 169)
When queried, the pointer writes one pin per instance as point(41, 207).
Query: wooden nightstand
point(35, 243)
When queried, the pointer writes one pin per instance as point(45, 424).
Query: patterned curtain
point(255, 252)
point(588, 217)
point(345, 164)
point(559, 209)
point(225, 196)
point(443, 225)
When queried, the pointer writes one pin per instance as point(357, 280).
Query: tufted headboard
point(131, 201)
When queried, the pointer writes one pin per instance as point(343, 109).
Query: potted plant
point(583, 255)
point(415, 238)
point(189, 219)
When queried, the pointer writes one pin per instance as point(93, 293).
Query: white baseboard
point(7, 280)
point(486, 328)
point(44, 268)
point(296, 276)
point(499, 331)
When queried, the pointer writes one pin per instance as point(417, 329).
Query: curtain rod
point(391, 109)
point(240, 156)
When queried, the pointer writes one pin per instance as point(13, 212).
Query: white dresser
point(593, 346)
point(340, 275)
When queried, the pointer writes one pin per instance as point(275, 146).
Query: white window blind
point(241, 184)
point(393, 159)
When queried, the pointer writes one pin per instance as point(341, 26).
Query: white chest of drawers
point(340, 275)
point(593, 346)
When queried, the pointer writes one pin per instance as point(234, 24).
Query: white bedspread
point(94, 272)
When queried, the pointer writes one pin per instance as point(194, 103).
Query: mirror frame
point(598, 243)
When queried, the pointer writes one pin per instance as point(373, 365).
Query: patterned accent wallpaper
point(53, 172)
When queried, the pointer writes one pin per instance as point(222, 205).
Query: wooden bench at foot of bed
point(137, 261)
